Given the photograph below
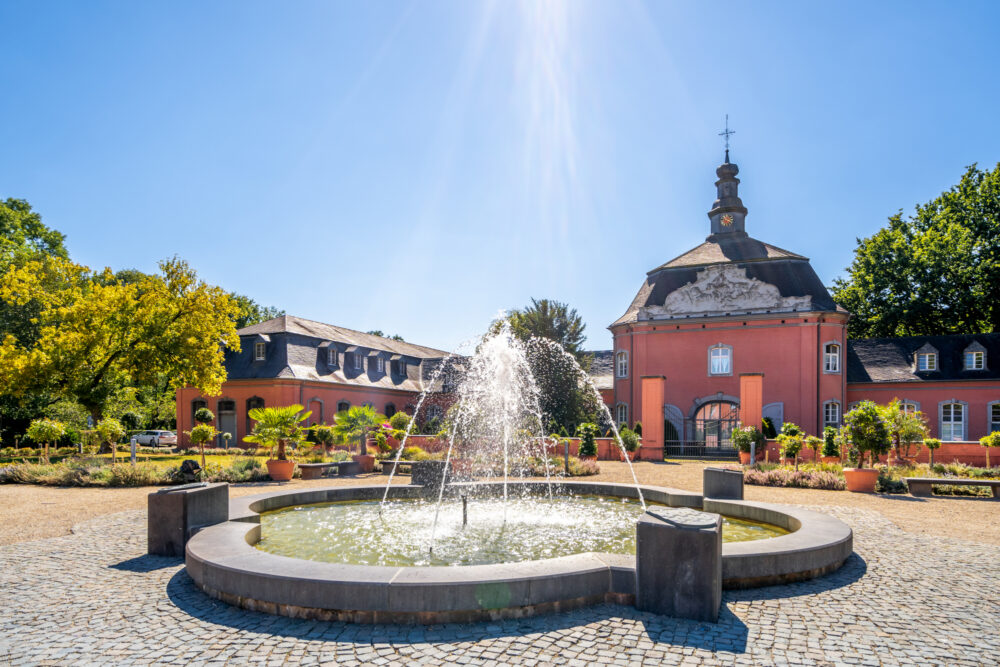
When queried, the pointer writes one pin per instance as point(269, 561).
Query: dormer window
point(975, 361)
point(357, 361)
point(331, 356)
point(379, 365)
point(259, 351)
point(927, 361)
point(399, 367)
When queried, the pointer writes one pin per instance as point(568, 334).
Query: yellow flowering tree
point(94, 333)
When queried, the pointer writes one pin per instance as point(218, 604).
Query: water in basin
point(353, 532)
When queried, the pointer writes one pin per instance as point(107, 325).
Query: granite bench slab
point(921, 486)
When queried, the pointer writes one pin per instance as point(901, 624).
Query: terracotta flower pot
point(588, 458)
point(631, 455)
point(280, 471)
point(830, 459)
point(861, 480)
point(367, 461)
point(745, 458)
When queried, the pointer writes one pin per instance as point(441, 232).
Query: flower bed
point(788, 477)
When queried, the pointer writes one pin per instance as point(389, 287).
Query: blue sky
point(418, 166)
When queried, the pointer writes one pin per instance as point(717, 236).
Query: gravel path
point(93, 597)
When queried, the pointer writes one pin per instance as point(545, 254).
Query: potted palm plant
point(353, 425)
point(275, 428)
point(866, 433)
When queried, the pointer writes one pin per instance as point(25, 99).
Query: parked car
point(156, 438)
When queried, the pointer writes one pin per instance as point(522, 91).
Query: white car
point(156, 438)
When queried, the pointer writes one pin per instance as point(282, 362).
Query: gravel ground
point(94, 597)
point(33, 512)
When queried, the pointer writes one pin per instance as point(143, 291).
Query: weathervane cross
point(727, 133)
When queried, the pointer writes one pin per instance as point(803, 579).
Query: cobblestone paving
point(94, 598)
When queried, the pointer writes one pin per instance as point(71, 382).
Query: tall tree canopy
point(24, 236)
point(249, 312)
point(937, 272)
point(94, 334)
point(565, 395)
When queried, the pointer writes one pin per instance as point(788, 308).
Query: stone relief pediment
point(724, 289)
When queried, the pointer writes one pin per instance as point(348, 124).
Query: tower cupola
point(728, 214)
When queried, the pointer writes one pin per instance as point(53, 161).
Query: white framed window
point(975, 361)
point(621, 364)
point(331, 356)
point(831, 358)
point(720, 360)
point(380, 364)
point(952, 421)
point(994, 416)
point(259, 351)
point(908, 408)
point(357, 361)
point(621, 414)
point(927, 361)
point(831, 413)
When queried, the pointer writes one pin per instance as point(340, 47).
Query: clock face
point(726, 220)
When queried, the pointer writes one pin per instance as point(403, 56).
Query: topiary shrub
point(830, 446)
point(400, 421)
point(987, 441)
point(638, 429)
point(867, 431)
point(932, 444)
point(204, 416)
point(630, 439)
point(587, 432)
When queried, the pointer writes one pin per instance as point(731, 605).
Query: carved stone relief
point(724, 289)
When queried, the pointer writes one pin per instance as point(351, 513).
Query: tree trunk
point(201, 446)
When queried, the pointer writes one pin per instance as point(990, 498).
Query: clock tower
point(728, 214)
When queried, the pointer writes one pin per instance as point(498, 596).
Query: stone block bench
point(921, 486)
point(317, 470)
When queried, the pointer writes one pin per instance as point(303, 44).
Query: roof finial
point(726, 133)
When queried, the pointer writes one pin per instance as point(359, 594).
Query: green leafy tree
point(200, 435)
point(110, 430)
point(987, 441)
point(249, 312)
point(905, 429)
point(353, 424)
point(867, 431)
point(381, 334)
point(44, 431)
point(23, 235)
point(932, 444)
point(565, 395)
point(277, 426)
point(96, 336)
point(936, 272)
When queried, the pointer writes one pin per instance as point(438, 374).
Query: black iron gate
point(705, 438)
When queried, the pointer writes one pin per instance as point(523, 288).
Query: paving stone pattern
point(94, 597)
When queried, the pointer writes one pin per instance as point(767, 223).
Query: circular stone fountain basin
point(224, 562)
point(522, 529)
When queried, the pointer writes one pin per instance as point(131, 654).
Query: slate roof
point(893, 359)
point(297, 348)
point(790, 273)
point(602, 368)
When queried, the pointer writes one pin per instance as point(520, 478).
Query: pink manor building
point(738, 329)
point(734, 329)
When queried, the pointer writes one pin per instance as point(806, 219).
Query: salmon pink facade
point(734, 307)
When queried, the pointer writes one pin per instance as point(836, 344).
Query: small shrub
point(767, 428)
point(803, 479)
point(630, 439)
point(415, 454)
point(830, 446)
point(889, 483)
point(637, 428)
point(587, 433)
point(399, 421)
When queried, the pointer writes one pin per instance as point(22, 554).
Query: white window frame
point(260, 351)
point(831, 358)
point(975, 360)
point(621, 414)
point(357, 361)
point(927, 361)
point(832, 407)
point(621, 364)
point(331, 356)
point(992, 420)
point(909, 407)
point(379, 365)
point(951, 428)
point(725, 352)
